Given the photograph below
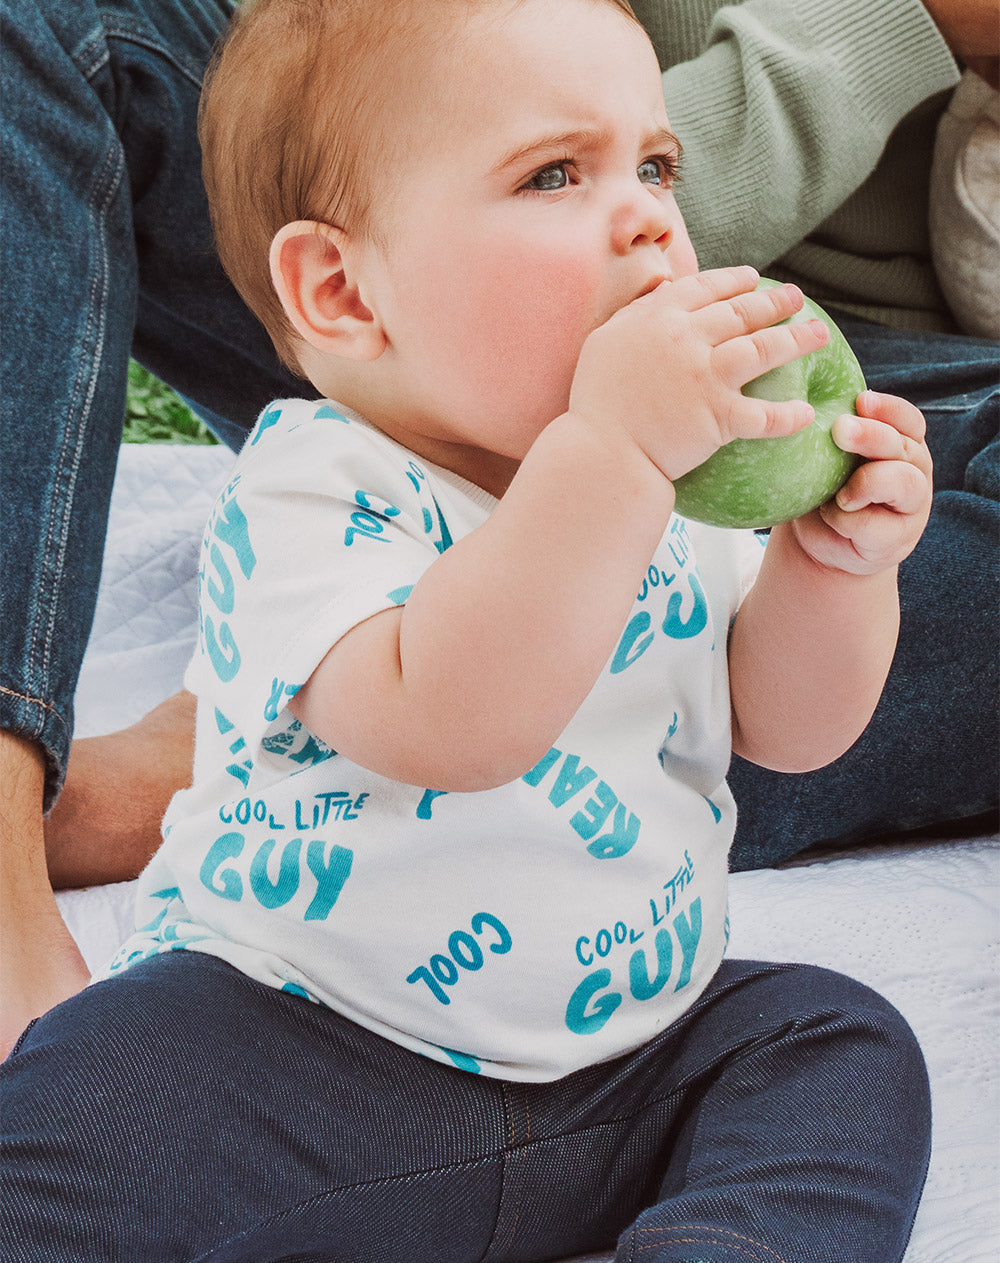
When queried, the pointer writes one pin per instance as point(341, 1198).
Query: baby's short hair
point(292, 119)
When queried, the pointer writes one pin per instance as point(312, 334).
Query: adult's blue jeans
point(183, 1111)
point(107, 249)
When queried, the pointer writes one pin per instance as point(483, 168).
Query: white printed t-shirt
point(523, 931)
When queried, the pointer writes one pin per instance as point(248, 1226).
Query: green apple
point(760, 482)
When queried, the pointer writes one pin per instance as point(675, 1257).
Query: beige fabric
point(965, 206)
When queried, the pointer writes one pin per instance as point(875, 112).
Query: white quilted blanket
point(918, 922)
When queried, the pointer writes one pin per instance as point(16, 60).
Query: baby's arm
point(812, 644)
point(469, 683)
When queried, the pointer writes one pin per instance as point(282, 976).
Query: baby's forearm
point(469, 683)
point(809, 653)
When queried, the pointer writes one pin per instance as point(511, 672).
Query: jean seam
point(91, 54)
point(511, 1146)
point(30, 700)
point(29, 721)
point(20, 1040)
point(142, 38)
point(84, 388)
point(318, 1198)
point(736, 1241)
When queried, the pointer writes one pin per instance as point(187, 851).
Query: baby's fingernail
point(846, 429)
point(868, 399)
point(820, 329)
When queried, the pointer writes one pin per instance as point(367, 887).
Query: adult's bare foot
point(105, 825)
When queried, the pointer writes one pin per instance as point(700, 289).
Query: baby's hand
point(876, 518)
point(665, 371)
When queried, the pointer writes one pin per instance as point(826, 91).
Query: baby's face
point(529, 199)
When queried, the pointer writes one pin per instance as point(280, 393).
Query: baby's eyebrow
point(658, 139)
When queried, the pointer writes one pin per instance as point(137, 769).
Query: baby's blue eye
point(550, 179)
point(650, 172)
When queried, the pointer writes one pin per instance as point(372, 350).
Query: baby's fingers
point(763, 419)
point(692, 293)
point(741, 359)
point(748, 313)
point(892, 484)
point(895, 411)
point(878, 441)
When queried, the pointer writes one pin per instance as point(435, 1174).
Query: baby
point(430, 963)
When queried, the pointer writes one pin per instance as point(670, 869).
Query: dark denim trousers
point(106, 249)
point(183, 1111)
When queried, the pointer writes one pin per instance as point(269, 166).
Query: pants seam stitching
point(71, 454)
point(667, 1236)
point(317, 1198)
point(31, 700)
point(142, 39)
point(737, 1237)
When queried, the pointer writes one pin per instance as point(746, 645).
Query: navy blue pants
point(182, 1111)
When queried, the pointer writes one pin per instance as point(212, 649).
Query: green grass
point(154, 414)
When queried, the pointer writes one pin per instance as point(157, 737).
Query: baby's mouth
point(627, 299)
point(654, 283)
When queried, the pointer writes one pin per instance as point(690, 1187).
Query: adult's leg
point(106, 240)
point(40, 963)
point(930, 754)
point(106, 824)
point(105, 234)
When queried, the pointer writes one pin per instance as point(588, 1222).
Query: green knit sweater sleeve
point(785, 109)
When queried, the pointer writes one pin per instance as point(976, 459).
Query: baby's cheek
point(533, 314)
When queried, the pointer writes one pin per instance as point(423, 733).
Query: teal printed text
point(567, 785)
point(433, 521)
point(240, 768)
point(323, 808)
point(672, 889)
point(369, 518)
point(597, 996)
point(327, 871)
point(603, 942)
point(296, 743)
point(268, 419)
point(227, 541)
point(465, 952)
point(686, 611)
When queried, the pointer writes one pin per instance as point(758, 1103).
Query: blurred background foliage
point(155, 414)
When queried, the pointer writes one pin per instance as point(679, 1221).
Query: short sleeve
point(324, 524)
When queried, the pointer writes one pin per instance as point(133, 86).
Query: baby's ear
point(312, 273)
